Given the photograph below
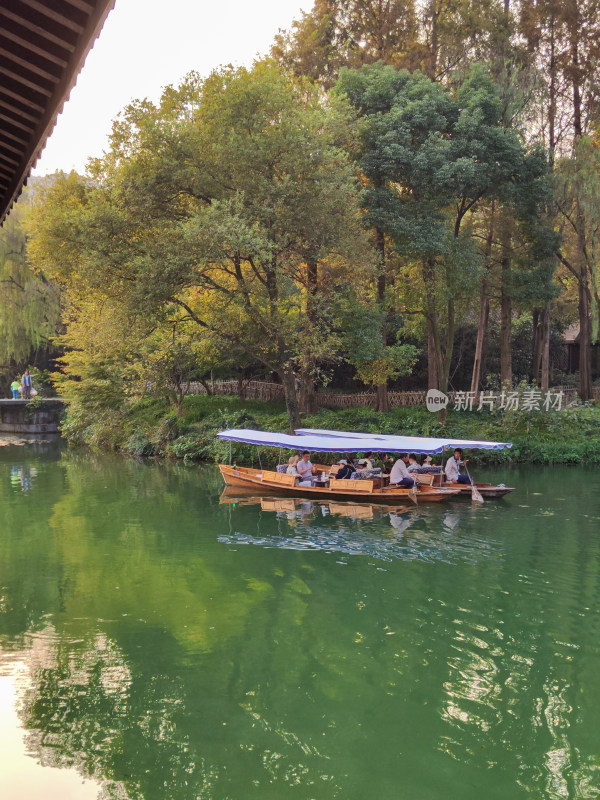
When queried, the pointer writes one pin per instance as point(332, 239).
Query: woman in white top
point(291, 470)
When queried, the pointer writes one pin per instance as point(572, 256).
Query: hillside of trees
point(398, 194)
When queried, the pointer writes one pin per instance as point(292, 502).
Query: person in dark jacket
point(345, 470)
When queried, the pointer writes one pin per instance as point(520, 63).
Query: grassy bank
point(149, 428)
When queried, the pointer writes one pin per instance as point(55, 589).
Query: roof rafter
point(43, 45)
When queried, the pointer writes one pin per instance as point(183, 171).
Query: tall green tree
point(222, 202)
point(431, 158)
point(565, 41)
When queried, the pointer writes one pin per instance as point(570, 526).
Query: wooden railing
point(265, 390)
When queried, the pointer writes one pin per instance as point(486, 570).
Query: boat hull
point(269, 482)
point(485, 489)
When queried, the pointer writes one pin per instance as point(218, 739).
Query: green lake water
point(156, 644)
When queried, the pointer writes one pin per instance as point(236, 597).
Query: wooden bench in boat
point(278, 477)
point(347, 483)
point(425, 479)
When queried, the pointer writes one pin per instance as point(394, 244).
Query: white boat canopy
point(410, 444)
point(334, 442)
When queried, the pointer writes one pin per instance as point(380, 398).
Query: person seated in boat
point(399, 476)
point(363, 465)
point(388, 461)
point(304, 467)
point(291, 469)
point(345, 470)
point(453, 466)
point(413, 463)
point(370, 461)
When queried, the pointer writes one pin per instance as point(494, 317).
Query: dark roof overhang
point(43, 44)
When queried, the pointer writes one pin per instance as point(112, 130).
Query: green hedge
point(148, 428)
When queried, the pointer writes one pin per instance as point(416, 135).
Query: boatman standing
point(399, 475)
point(453, 466)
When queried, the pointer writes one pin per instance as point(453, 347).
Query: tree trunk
point(307, 389)
point(484, 315)
point(447, 362)
point(585, 335)
point(308, 399)
point(545, 349)
point(506, 376)
point(383, 403)
point(241, 388)
point(536, 356)
point(207, 387)
point(484, 307)
point(288, 380)
point(434, 350)
point(432, 59)
point(585, 328)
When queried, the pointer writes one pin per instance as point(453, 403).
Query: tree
point(29, 301)
point(349, 33)
point(565, 38)
point(431, 158)
point(439, 37)
point(221, 203)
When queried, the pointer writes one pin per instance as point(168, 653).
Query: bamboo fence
point(265, 390)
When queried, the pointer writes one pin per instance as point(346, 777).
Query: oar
point(413, 492)
point(475, 494)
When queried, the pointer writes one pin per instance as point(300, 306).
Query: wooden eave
point(43, 45)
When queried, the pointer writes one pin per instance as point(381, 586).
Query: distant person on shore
point(453, 466)
point(14, 387)
point(399, 476)
point(26, 384)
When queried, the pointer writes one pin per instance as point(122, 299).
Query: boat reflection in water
point(385, 532)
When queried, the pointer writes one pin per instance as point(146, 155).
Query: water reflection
point(21, 476)
point(397, 532)
point(352, 651)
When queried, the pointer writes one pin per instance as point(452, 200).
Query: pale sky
point(148, 44)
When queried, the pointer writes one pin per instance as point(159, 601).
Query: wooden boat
point(372, 490)
point(271, 482)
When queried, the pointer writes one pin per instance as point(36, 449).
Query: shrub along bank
point(149, 428)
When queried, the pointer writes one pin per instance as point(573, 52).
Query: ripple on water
point(412, 535)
